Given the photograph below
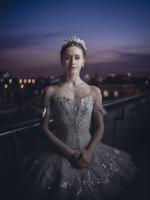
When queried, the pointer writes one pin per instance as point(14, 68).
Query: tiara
point(75, 39)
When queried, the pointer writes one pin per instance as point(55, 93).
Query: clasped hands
point(81, 158)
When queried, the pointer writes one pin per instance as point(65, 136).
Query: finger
point(85, 162)
point(82, 163)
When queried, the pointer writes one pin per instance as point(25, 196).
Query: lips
point(73, 67)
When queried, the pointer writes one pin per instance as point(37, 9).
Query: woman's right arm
point(56, 142)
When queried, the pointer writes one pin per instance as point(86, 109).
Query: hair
point(71, 44)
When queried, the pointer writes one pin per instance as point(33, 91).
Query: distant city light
point(33, 80)
point(105, 93)
point(129, 74)
point(100, 79)
point(5, 86)
point(29, 80)
point(10, 80)
point(116, 93)
point(112, 75)
point(52, 77)
point(87, 77)
point(1, 80)
point(25, 81)
point(20, 80)
point(146, 82)
point(22, 86)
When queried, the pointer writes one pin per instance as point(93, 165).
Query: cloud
point(29, 71)
point(141, 48)
point(127, 62)
point(138, 60)
point(25, 40)
point(132, 55)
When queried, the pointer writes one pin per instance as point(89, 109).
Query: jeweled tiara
point(75, 39)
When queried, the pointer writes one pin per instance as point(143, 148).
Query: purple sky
point(117, 34)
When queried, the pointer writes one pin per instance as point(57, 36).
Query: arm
point(57, 143)
point(98, 134)
point(98, 119)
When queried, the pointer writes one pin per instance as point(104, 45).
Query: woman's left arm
point(87, 154)
point(98, 119)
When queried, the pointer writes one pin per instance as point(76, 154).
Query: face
point(73, 59)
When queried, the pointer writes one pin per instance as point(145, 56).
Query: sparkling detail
point(64, 185)
point(43, 112)
point(75, 39)
point(117, 151)
point(79, 192)
point(104, 165)
point(84, 182)
point(106, 181)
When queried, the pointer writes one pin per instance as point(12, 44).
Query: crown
point(75, 39)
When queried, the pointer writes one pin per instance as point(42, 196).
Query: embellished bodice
point(73, 120)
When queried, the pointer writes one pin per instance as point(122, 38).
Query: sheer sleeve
point(45, 105)
point(98, 107)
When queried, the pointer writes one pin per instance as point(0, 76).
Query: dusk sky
point(117, 35)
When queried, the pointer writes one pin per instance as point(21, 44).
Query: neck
point(73, 78)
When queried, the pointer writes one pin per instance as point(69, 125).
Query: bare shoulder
point(49, 91)
point(95, 91)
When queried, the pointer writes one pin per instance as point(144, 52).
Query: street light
point(33, 80)
point(146, 82)
point(5, 86)
point(105, 93)
point(129, 74)
point(116, 93)
point(20, 81)
point(22, 86)
point(25, 81)
point(10, 80)
point(29, 80)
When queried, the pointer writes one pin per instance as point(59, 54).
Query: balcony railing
point(137, 101)
point(121, 124)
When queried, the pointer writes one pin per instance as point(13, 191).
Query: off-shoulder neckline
point(74, 102)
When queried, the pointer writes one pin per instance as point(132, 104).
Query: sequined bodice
point(73, 120)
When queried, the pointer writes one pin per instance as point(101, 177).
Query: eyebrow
point(73, 55)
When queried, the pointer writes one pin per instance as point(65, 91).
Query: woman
point(74, 164)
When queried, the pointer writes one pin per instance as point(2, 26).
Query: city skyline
point(117, 34)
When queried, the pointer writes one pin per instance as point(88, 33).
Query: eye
point(66, 57)
point(77, 57)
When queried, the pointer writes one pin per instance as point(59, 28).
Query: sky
point(116, 33)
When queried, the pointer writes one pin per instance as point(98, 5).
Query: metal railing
point(18, 128)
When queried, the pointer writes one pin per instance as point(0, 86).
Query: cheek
point(81, 62)
point(65, 62)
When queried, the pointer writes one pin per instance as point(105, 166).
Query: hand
point(82, 158)
point(75, 157)
point(86, 155)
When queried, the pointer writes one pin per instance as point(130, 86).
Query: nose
point(72, 60)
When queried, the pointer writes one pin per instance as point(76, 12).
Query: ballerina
point(74, 163)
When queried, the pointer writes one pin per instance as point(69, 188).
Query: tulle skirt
point(48, 175)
